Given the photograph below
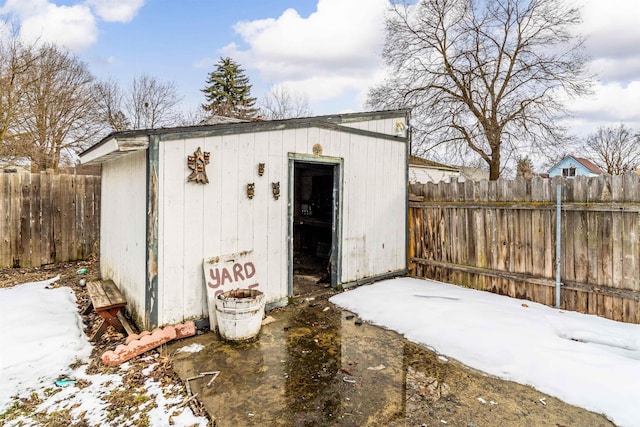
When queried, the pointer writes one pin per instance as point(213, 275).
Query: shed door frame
point(336, 221)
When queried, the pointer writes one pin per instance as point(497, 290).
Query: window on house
point(569, 172)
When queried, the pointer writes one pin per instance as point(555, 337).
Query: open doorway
point(314, 217)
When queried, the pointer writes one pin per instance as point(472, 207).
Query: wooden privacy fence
point(500, 236)
point(47, 218)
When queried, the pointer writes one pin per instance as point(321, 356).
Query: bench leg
point(109, 318)
point(101, 330)
point(125, 324)
point(87, 309)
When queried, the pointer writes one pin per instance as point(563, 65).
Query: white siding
point(202, 221)
point(123, 228)
point(422, 175)
point(386, 126)
point(374, 223)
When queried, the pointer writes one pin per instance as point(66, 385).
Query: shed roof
point(123, 142)
point(419, 161)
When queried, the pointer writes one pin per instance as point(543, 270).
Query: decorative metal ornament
point(251, 190)
point(317, 150)
point(260, 169)
point(275, 189)
point(197, 163)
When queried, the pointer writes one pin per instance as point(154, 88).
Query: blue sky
point(178, 40)
point(326, 49)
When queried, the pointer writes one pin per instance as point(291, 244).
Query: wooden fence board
point(5, 200)
point(14, 231)
point(36, 228)
point(630, 252)
point(47, 218)
point(500, 236)
point(25, 220)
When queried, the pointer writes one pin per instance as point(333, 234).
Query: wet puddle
point(317, 365)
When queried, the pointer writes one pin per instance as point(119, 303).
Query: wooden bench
point(107, 300)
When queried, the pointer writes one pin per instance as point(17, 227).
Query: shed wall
point(123, 228)
point(200, 221)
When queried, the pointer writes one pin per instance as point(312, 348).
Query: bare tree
point(196, 116)
point(283, 103)
point(56, 112)
point(109, 101)
point(486, 78)
point(150, 103)
point(616, 149)
point(145, 104)
point(15, 60)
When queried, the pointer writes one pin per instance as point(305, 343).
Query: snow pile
point(583, 360)
point(41, 334)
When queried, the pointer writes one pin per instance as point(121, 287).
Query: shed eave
point(112, 148)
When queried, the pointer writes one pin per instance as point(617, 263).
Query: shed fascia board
point(97, 154)
point(437, 168)
point(112, 147)
point(276, 125)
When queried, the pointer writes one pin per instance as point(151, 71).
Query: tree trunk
point(494, 170)
point(494, 164)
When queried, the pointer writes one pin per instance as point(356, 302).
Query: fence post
point(558, 241)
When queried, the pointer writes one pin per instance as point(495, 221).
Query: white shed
point(251, 205)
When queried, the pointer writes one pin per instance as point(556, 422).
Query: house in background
point(422, 171)
point(571, 166)
point(470, 173)
point(14, 165)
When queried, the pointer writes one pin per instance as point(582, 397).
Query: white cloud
point(322, 88)
point(611, 26)
point(612, 36)
point(71, 26)
point(116, 10)
point(611, 103)
point(333, 50)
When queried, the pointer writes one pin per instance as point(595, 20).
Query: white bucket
point(239, 313)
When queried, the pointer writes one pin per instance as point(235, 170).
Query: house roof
point(419, 161)
point(119, 143)
point(589, 165)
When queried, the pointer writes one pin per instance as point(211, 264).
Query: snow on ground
point(584, 360)
point(193, 348)
point(41, 335)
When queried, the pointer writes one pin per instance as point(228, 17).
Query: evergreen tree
point(228, 92)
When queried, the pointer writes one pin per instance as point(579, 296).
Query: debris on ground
point(138, 344)
point(143, 391)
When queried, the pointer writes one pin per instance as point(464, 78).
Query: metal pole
point(558, 241)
